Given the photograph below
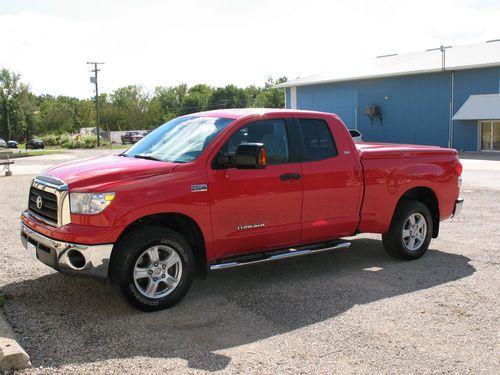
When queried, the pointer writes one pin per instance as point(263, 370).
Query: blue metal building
point(448, 97)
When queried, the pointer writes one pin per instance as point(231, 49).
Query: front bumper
point(459, 203)
point(88, 260)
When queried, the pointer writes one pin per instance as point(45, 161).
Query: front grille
point(48, 209)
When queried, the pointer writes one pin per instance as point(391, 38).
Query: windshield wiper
point(147, 157)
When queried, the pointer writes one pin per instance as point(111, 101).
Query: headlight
point(89, 203)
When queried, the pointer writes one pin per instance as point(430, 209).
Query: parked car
point(35, 144)
point(132, 137)
point(356, 135)
point(12, 144)
point(2, 143)
point(230, 188)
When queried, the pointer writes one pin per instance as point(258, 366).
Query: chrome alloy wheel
point(414, 231)
point(157, 272)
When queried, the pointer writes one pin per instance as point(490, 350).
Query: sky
point(218, 42)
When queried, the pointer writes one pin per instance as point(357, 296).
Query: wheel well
point(183, 225)
point(426, 196)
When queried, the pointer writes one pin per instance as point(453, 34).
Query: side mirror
point(250, 156)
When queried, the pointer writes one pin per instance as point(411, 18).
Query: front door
point(256, 209)
point(490, 135)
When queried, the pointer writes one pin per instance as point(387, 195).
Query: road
point(352, 311)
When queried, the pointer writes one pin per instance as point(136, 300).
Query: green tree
point(131, 103)
point(10, 87)
point(169, 100)
point(26, 121)
point(229, 96)
point(23, 114)
point(196, 99)
point(57, 114)
point(271, 96)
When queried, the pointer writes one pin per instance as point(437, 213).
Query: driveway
point(351, 311)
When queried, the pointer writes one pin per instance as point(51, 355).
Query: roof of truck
point(236, 113)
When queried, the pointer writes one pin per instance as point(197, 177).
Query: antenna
point(443, 55)
point(390, 55)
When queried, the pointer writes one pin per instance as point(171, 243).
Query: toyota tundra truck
point(230, 188)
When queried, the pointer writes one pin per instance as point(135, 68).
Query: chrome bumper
point(88, 260)
point(458, 207)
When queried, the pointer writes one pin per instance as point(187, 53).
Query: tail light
point(458, 168)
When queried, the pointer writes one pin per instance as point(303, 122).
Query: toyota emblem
point(39, 202)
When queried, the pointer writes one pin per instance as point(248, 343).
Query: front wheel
point(153, 267)
point(410, 232)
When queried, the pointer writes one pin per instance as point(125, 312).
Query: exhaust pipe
point(76, 259)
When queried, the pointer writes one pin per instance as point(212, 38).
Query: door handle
point(290, 176)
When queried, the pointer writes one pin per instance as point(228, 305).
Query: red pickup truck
point(228, 188)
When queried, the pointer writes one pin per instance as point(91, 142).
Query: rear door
point(257, 209)
point(332, 180)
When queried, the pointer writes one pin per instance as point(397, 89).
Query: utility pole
point(94, 80)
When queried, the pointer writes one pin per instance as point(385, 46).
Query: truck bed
point(370, 150)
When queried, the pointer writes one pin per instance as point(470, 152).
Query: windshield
point(180, 140)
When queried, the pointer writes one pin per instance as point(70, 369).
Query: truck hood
point(106, 169)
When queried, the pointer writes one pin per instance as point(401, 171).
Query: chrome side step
point(290, 253)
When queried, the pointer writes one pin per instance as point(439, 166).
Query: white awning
point(480, 107)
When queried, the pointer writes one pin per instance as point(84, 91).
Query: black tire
point(399, 246)
point(131, 248)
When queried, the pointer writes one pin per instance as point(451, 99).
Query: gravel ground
point(351, 311)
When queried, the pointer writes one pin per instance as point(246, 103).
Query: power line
point(94, 80)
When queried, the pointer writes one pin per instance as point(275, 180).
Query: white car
point(356, 135)
point(2, 143)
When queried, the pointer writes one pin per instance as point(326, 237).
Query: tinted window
point(354, 133)
point(272, 133)
point(317, 139)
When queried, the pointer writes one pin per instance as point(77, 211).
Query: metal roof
point(457, 58)
point(480, 107)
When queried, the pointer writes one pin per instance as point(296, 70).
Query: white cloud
point(222, 41)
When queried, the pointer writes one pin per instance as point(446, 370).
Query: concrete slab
point(12, 355)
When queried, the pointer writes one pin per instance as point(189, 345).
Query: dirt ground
point(352, 311)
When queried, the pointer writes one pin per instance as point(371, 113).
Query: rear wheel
point(410, 232)
point(153, 267)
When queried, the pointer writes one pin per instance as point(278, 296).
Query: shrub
point(72, 141)
point(89, 141)
point(50, 140)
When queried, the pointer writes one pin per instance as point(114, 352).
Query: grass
point(37, 153)
point(3, 298)
point(21, 151)
point(22, 146)
point(115, 146)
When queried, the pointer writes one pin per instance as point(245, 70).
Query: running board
point(289, 253)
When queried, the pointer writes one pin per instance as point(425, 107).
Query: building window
point(490, 135)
